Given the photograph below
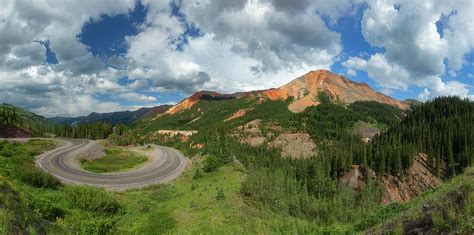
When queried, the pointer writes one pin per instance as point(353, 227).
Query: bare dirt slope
point(415, 181)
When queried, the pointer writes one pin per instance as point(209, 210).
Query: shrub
point(197, 174)
point(8, 150)
point(90, 223)
point(91, 199)
point(211, 163)
point(46, 209)
point(28, 174)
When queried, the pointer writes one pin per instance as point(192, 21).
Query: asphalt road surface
point(166, 165)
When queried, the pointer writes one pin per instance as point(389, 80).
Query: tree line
point(10, 117)
point(99, 130)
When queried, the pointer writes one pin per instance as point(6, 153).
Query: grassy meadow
point(116, 160)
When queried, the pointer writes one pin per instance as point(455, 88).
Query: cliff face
point(304, 91)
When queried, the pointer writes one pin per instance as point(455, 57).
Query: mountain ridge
point(304, 91)
point(124, 117)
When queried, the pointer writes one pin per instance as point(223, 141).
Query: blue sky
point(69, 59)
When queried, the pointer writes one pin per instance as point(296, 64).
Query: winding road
point(165, 164)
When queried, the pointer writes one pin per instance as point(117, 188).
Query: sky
point(70, 58)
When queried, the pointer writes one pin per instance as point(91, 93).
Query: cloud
point(277, 37)
point(247, 45)
point(440, 88)
point(351, 72)
point(227, 46)
point(241, 45)
point(379, 69)
point(132, 96)
point(414, 50)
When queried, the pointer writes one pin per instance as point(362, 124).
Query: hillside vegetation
point(221, 196)
point(17, 122)
point(309, 188)
point(253, 189)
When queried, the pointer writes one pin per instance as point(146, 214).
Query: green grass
point(115, 160)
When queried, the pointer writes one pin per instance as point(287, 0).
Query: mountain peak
point(304, 90)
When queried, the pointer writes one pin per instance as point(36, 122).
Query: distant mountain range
point(124, 117)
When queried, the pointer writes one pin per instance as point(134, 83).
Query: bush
point(8, 150)
point(46, 209)
point(211, 163)
point(28, 174)
point(91, 199)
point(90, 223)
point(197, 174)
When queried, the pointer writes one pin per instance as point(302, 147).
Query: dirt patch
point(356, 177)
point(294, 145)
point(366, 132)
point(301, 104)
point(96, 150)
point(197, 146)
point(254, 140)
point(237, 114)
point(250, 133)
point(173, 133)
point(252, 127)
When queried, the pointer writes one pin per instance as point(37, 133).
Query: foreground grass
point(116, 160)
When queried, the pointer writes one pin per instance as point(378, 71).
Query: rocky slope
point(417, 179)
point(412, 183)
point(304, 90)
